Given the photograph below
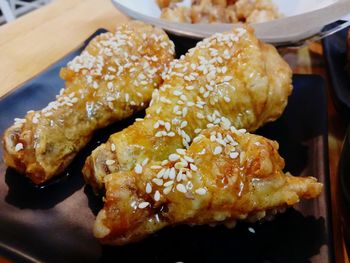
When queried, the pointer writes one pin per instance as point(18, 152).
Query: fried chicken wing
point(113, 78)
point(224, 176)
point(231, 75)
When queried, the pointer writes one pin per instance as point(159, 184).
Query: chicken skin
point(224, 176)
point(231, 75)
point(112, 79)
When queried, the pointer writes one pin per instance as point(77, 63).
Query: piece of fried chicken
point(224, 176)
point(112, 79)
point(231, 75)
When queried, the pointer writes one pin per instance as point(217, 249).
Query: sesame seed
point(197, 130)
point(200, 115)
point(174, 157)
point(157, 181)
point(156, 167)
point(251, 230)
point(35, 120)
point(169, 183)
point(158, 134)
point(144, 162)
point(161, 173)
point(183, 124)
point(138, 169)
point(167, 126)
point(171, 134)
point(181, 151)
point(202, 152)
point(181, 188)
point(167, 190)
point(148, 188)
point(179, 176)
point(166, 173)
point(110, 162)
point(113, 147)
point(177, 93)
point(188, 159)
point(18, 147)
point(201, 191)
point(180, 165)
point(234, 155)
point(227, 78)
point(193, 167)
point(217, 150)
point(143, 205)
point(156, 196)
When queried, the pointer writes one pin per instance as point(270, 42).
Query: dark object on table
point(336, 54)
point(54, 223)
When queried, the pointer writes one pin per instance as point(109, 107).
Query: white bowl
point(302, 19)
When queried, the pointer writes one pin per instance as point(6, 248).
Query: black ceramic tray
point(53, 224)
point(335, 52)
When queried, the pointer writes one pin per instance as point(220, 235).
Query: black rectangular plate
point(53, 223)
point(335, 52)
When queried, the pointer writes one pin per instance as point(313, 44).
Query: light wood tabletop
point(35, 41)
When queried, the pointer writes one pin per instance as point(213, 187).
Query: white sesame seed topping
point(18, 147)
point(200, 115)
point(169, 183)
point(181, 188)
point(156, 196)
point(174, 157)
point(202, 152)
point(143, 205)
point(148, 188)
point(167, 190)
point(193, 167)
point(197, 130)
point(161, 173)
point(138, 169)
point(145, 161)
point(227, 78)
point(110, 162)
point(234, 155)
point(113, 147)
point(201, 191)
point(217, 150)
point(167, 126)
point(157, 181)
point(181, 151)
point(251, 230)
point(188, 159)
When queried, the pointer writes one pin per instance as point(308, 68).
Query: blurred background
point(11, 9)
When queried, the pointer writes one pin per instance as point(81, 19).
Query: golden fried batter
point(219, 11)
point(112, 79)
point(224, 176)
point(230, 75)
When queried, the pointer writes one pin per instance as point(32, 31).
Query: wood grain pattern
point(35, 41)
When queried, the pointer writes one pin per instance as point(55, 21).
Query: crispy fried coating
point(112, 79)
point(219, 11)
point(231, 75)
point(226, 175)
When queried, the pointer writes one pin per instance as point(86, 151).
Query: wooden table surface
point(35, 41)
